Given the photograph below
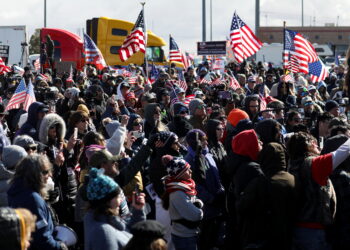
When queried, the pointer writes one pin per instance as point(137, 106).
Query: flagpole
point(145, 30)
point(284, 44)
point(169, 54)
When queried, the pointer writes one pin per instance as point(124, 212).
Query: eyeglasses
point(137, 124)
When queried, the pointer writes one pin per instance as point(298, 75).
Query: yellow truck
point(109, 35)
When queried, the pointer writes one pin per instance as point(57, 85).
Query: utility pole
point(44, 13)
point(302, 13)
point(211, 20)
point(257, 16)
point(203, 21)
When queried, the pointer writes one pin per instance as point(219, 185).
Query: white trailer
point(271, 53)
point(16, 38)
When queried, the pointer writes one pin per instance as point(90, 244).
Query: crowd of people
point(128, 164)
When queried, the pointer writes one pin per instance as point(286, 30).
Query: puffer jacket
point(63, 176)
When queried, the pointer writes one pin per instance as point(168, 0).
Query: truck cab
point(69, 49)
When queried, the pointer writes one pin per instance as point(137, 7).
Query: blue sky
point(180, 18)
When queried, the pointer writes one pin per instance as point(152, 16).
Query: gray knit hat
point(11, 155)
point(194, 104)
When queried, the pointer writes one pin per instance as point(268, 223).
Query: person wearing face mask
point(180, 124)
point(208, 185)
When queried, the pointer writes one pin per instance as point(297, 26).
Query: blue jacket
point(209, 191)
point(20, 196)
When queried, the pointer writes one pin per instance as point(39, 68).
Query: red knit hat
point(246, 143)
point(236, 115)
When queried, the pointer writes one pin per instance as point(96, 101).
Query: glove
point(63, 246)
point(198, 203)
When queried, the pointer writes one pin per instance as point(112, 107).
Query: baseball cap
point(307, 100)
point(102, 156)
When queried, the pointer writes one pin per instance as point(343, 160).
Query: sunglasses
point(137, 124)
point(31, 148)
point(183, 112)
point(45, 172)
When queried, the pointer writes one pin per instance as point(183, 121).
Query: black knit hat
point(149, 229)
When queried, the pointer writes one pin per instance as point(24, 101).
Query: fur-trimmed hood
point(49, 121)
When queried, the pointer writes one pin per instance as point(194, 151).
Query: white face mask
point(187, 117)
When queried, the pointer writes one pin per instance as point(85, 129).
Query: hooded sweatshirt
point(266, 207)
point(32, 125)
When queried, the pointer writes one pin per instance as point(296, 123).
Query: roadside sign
point(4, 50)
point(211, 48)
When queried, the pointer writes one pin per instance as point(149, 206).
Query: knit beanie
point(330, 104)
point(90, 150)
point(100, 186)
point(112, 127)
point(82, 107)
point(194, 104)
point(11, 155)
point(178, 107)
point(175, 166)
point(191, 137)
point(236, 115)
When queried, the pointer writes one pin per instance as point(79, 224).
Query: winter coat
point(217, 150)
point(63, 176)
point(108, 232)
point(20, 196)
point(266, 207)
point(210, 190)
point(5, 177)
point(32, 125)
point(180, 126)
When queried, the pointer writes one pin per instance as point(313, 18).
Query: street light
point(203, 21)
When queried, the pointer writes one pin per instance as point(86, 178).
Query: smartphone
point(75, 133)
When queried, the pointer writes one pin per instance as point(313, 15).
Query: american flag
point(171, 83)
point(135, 41)
point(3, 67)
point(206, 79)
point(174, 51)
point(154, 73)
point(18, 97)
point(288, 78)
point(217, 81)
point(317, 71)
point(70, 77)
point(132, 79)
point(30, 96)
point(92, 53)
point(263, 104)
point(182, 81)
point(295, 45)
point(37, 64)
point(243, 41)
point(234, 84)
point(186, 60)
point(187, 100)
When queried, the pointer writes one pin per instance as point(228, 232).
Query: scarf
point(186, 186)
